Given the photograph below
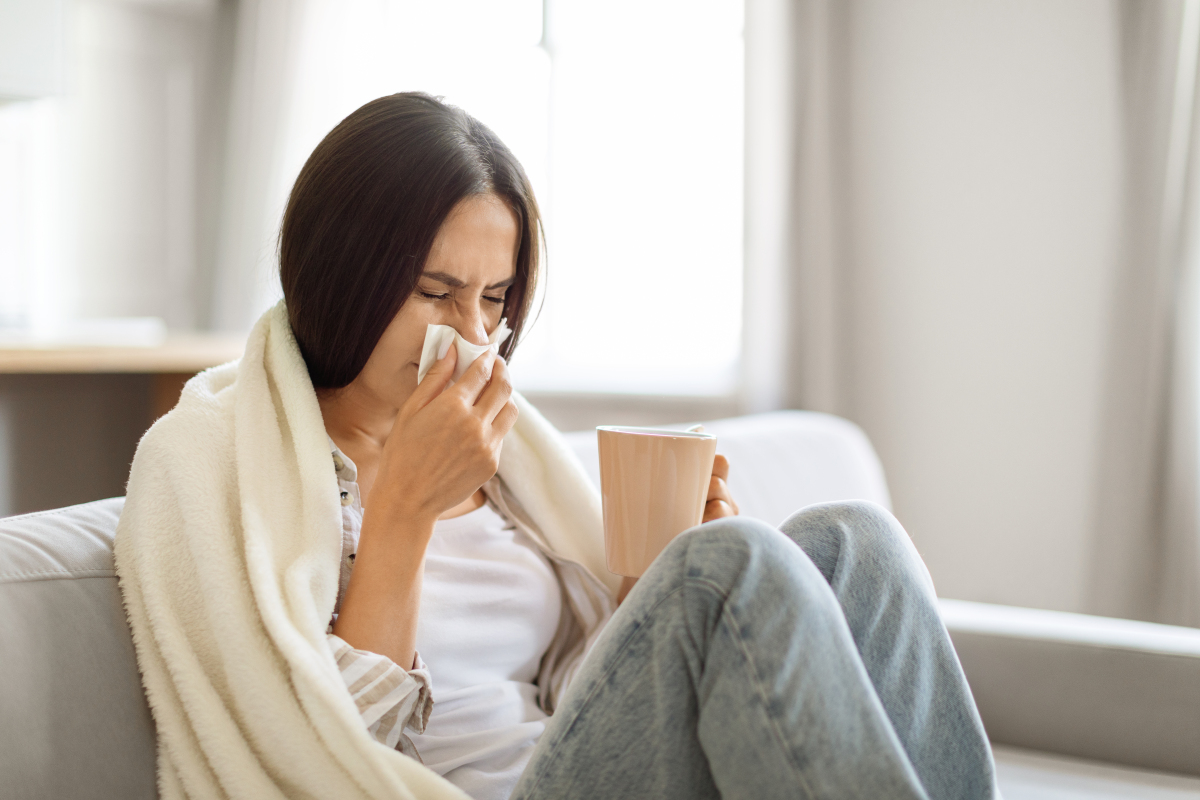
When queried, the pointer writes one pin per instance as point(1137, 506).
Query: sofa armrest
point(1090, 687)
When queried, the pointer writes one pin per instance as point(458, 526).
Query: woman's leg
point(888, 600)
point(729, 669)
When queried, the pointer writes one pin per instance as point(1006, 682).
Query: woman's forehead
point(477, 244)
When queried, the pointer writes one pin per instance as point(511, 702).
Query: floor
point(1026, 775)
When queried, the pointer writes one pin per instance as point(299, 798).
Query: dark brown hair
point(363, 215)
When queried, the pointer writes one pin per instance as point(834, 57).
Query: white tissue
point(438, 339)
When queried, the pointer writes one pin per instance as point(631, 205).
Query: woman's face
point(470, 267)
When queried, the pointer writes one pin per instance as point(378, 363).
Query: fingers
point(436, 379)
point(715, 509)
point(718, 491)
point(476, 377)
point(721, 467)
point(504, 420)
point(496, 394)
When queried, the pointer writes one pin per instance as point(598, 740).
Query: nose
point(470, 326)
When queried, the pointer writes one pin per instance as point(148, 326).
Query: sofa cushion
point(73, 719)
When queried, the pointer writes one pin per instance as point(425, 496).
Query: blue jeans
point(743, 666)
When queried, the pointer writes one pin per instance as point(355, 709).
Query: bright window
point(627, 115)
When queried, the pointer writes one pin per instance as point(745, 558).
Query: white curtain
point(1145, 513)
point(1146, 525)
point(266, 49)
point(793, 253)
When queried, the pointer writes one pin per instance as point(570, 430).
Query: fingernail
point(445, 348)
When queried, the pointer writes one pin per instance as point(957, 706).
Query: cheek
point(402, 341)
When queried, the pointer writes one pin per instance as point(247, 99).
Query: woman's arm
point(389, 698)
point(443, 446)
point(379, 610)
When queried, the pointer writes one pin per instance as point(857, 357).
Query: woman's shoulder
point(183, 475)
point(200, 423)
point(210, 386)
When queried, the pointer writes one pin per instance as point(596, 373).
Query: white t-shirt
point(490, 605)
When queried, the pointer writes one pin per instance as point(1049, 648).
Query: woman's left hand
point(719, 503)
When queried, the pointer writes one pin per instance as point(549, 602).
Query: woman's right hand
point(444, 445)
point(445, 442)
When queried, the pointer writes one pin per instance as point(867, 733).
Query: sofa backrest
point(781, 461)
point(73, 719)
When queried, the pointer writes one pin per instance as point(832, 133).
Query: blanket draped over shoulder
point(227, 553)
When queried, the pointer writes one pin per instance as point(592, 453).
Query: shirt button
point(347, 499)
point(338, 464)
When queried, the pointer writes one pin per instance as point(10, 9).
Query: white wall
point(143, 127)
point(106, 190)
point(982, 228)
point(31, 48)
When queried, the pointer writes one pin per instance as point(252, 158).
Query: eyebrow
point(455, 283)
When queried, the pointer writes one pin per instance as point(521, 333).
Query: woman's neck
point(359, 425)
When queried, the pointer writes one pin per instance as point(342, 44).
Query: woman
point(747, 662)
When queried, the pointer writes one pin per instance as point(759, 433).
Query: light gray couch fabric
point(73, 719)
point(1090, 687)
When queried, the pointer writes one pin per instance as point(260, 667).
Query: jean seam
point(601, 682)
point(760, 690)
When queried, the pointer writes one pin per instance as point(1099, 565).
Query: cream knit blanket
point(227, 553)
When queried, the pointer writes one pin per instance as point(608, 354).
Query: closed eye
point(443, 296)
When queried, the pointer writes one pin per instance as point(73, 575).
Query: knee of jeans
point(868, 524)
point(722, 551)
point(868, 528)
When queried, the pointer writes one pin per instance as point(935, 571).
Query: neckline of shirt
point(468, 521)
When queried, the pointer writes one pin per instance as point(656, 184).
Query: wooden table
point(171, 363)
